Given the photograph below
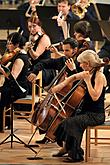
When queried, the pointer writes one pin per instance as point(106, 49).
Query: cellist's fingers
point(70, 64)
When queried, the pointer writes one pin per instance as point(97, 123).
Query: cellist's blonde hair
point(89, 56)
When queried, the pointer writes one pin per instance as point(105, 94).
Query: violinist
point(18, 68)
point(26, 9)
point(70, 48)
point(91, 113)
point(37, 48)
point(82, 30)
point(82, 33)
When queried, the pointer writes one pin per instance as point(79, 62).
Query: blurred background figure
point(64, 17)
point(84, 9)
point(105, 52)
point(26, 10)
point(10, 2)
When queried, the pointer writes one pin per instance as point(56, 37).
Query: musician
point(37, 48)
point(18, 66)
point(82, 32)
point(105, 52)
point(88, 11)
point(26, 10)
point(64, 17)
point(10, 2)
point(91, 113)
point(70, 48)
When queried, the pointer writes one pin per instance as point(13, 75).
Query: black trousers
point(71, 132)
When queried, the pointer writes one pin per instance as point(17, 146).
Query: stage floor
point(100, 154)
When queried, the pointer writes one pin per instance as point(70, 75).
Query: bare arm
point(53, 49)
point(72, 78)
point(17, 68)
point(100, 82)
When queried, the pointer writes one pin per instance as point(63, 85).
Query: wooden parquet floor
point(19, 154)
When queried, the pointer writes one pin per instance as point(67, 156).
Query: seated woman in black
point(18, 66)
point(70, 131)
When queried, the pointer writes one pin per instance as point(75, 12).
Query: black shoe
point(7, 127)
point(70, 160)
point(1, 131)
point(61, 153)
point(43, 141)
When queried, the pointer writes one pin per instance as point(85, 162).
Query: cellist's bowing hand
point(57, 88)
point(54, 89)
point(74, 77)
point(32, 77)
point(70, 64)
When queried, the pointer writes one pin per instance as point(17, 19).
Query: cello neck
point(56, 77)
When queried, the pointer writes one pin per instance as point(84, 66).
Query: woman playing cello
point(71, 130)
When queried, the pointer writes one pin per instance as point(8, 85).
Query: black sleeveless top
point(45, 55)
point(22, 77)
point(93, 106)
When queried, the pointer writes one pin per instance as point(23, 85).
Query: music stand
point(46, 12)
point(6, 72)
point(52, 30)
point(9, 19)
point(105, 25)
point(104, 10)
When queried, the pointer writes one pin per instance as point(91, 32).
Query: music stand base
point(19, 141)
point(31, 145)
point(34, 158)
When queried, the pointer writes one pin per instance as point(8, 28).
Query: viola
point(8, 56)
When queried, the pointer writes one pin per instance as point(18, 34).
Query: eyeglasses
point(9, 43)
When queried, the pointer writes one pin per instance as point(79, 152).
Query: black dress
point(71, 129)
point(47, 74)
point(10, 90)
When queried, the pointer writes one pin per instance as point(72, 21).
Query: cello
point(50, 106)
point(74, 100)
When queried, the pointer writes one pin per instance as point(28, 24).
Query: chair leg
point(87, 148)
point(96, 136)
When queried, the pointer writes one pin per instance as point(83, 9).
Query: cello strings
point(59, 102)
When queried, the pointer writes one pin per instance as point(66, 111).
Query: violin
point(8, 56)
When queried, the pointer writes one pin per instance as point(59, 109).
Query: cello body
point(70, 107)
point(48, 110)
point(51, 114)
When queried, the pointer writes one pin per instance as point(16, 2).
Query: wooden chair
point(106, 126)
point(95, 140)
point(31, 100)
